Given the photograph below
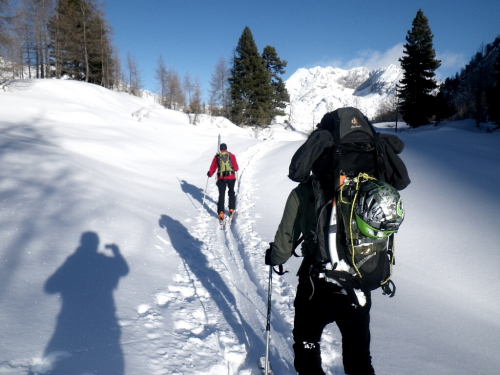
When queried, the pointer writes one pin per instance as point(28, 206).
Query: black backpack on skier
point(346, 144)
point(345, 136)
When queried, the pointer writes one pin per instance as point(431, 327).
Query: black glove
point(268, 255)
point(208, 173)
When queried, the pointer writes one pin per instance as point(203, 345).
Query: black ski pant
point(311, 317)
point(221, 184)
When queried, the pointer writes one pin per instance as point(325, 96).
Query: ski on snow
point(232, 217)
point(222, 224)
point(227, 220)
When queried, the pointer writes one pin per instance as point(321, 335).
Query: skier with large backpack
point(226, 166)
point(345, 212)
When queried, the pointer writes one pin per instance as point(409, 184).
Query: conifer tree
point(418, 64)
point(279, 94)
point(80, 45)
point(249, 81)
point(493, 93)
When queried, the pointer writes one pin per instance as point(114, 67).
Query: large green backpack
point(225, 166)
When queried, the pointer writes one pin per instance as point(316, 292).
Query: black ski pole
point(268, 325)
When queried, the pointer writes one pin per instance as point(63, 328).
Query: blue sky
point(192, 35)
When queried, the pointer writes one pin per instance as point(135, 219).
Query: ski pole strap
point(280, 270)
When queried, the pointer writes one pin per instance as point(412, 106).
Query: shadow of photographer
point(87, 335)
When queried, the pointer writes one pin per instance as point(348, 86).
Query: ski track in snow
point(144, 112)
point(217, 320)
point(224, 327)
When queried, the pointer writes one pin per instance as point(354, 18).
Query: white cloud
point(375, 59)
point(451, 59)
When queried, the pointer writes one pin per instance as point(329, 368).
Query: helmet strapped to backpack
point(378, 209)
point(371, 212)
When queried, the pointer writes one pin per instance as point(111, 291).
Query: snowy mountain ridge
point(316, 91)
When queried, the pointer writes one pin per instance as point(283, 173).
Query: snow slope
point(191, 298)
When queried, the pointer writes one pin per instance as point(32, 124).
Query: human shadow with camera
point(86, 339)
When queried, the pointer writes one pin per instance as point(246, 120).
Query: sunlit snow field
point(177, 295)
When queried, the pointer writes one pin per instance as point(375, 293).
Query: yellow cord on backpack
point(365, 177)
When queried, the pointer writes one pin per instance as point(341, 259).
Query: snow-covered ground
point(177, 295)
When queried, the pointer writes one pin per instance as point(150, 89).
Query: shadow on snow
point(198, 194)
point(86, 339)
point(190, 250)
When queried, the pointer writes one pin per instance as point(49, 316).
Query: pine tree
point(493, 93)
point(80, 46)
point(418, 64)
point(443, 109)
point(249, 81)
point(279, 95)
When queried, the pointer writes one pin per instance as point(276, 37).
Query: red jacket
point(214, 166)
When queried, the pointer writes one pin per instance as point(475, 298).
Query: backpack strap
point(336, 164)
point(347, 282)
point(380, 158)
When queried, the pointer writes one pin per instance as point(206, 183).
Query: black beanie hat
point(223, 146)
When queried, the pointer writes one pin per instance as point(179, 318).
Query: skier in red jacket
point(226, 166)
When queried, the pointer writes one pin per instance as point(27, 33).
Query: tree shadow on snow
point(190, 249)
point(86, 339)
point(197, 193)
